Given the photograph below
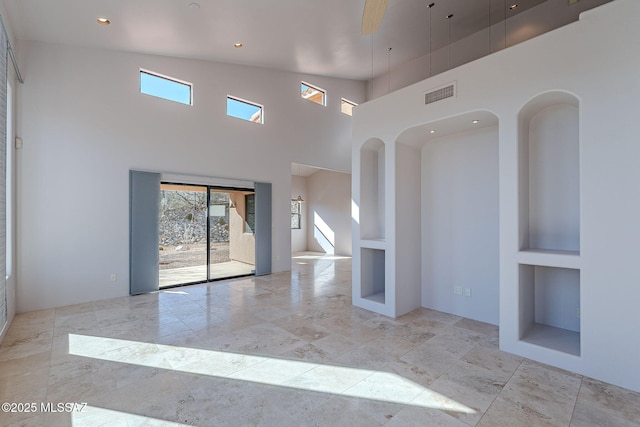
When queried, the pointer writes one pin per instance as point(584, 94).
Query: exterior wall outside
point(242, 246)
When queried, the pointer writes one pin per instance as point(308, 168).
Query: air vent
point(436, 95)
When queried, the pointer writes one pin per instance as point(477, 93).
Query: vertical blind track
point(10, 51)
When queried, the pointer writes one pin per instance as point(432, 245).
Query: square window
point(346, 107)
point(313, 93)
point(245, 110)
point(165, 87)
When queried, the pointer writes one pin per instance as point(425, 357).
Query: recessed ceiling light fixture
point(103, 21)
point(432, 131)
point(513, 6)
point(475, 122)
point(237, 45)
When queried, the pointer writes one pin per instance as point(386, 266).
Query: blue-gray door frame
point(263, 228)
point(144, 209)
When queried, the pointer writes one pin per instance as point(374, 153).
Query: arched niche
point(549, 173)
point(372, 190)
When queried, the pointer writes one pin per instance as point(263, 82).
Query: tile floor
point(287, 349)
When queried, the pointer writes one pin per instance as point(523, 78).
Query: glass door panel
point(231, 238)
point(183, 234)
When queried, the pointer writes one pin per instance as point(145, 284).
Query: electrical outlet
point(18, 142)
point(114, 277)
point(457, 290)
point(467, 292)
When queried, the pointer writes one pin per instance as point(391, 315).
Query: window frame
point(169, 79)
point(297, 214)
point(247, 102)
point(319, 89)
point(346, 101)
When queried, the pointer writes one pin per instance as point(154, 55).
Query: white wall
point(85, 124)
point(299, 236)
point(329, 211)
point(596, 60)
point(459, 192)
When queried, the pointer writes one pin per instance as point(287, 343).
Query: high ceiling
point(308, 36)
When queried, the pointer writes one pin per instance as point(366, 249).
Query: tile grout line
point(575, 404)
point(501, 390)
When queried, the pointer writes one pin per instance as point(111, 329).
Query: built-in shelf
point(549, 223)
point(372, 274)
point(379, 297)
point(550, 258)
point(373, 243)
point(553, 338)
point(372, 190)
point(550, 307)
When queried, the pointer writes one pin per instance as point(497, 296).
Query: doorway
point(205, 233)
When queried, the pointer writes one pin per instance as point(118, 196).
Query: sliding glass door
point(186, 233)
point(197, 243)
point(183, 234)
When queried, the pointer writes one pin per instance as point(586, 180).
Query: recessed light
point(103, 21)
point(194, 5)
point(432, 131)
point(237, 45)
point(513, 6)
point(475, 122)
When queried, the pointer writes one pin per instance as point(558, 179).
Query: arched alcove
point(372, 190)
point(447, 209)
point(550, 173)
point(549, 222)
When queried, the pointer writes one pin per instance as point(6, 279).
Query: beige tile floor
point(287, 349)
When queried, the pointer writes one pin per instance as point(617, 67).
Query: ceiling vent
point(448, 91)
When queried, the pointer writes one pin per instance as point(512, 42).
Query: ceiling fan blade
point(372, 15)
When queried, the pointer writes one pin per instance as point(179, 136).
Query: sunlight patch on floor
point(320, 256)
point(339, 380)
point(93, 415)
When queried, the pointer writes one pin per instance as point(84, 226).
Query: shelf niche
point(550, 307)
point(372, 274)
point(549, 173)
point(372, 194)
